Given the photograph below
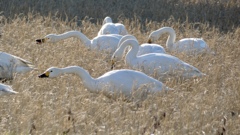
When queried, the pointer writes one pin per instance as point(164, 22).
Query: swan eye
point(51, 71)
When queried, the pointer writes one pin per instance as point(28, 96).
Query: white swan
point(112, 28)
point(186, 45)
point(144, 48)
point(100, 43)
point(163, 65)
point(122, 81)
point(107, 20)
point(6, 90)
point(10, 64)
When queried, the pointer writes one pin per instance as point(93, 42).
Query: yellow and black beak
point(40, 41)
point(44, 75)
point(149, 41)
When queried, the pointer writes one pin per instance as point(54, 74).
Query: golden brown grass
point(63, 106)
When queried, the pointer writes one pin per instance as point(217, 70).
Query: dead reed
point(63, 106)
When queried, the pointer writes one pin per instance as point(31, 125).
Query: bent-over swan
point(144, 48)
point(10, 64)
point(112, 28)
point(122, 81)
point(186, 45)
point(100, 43)
point(163, 65)
point(6, 90)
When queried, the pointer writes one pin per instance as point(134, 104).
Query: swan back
point(6, 90)
point(147, 48)
point(16, 61)
point(190, 46)
point(106, 43)
point(10, 64)
point(121, 28)
point(130, 80)
point(109, 27)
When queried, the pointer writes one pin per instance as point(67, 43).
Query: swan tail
point(13, 92)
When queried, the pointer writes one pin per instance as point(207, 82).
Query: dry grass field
point(205, 106)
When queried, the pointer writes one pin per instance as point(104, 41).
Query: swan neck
point(132, 53)
point(77, 34)
point(171, 37)
point(87, 80)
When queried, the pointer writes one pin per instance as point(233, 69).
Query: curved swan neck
point(132, 53)
point(171, 38)
point(77, 34)
point(88, 81)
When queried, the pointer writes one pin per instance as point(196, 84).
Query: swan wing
point(150, 48)
point(125, 80)
point(5, 89)
point(121, 28)
point(191, 45)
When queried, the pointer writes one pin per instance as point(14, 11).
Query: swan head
point(113, 62)
point(51, 73)
point(51, 38)
point(154, 36)
point(115, 57)
point(107, 20)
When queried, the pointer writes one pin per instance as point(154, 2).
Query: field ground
point(208, 105)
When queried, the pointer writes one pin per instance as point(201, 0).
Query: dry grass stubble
point(49, 106)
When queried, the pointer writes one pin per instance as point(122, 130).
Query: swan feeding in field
point(10, 64)
point(163, 65)
point(186, 45)
point(112, 28)
point(144, 48)
point(6, 90)
point(122, 81)
point(100, 43)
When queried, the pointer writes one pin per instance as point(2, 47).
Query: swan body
point(112, 28)
point(186, 45)
point(100, 43)
point(122, 81)
point(163, 65)
point(10, 64)
point(144, 48)
point(6, 90)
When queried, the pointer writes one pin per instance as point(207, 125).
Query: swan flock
point(146, 61)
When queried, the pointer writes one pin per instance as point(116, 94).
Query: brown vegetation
point(49, 106)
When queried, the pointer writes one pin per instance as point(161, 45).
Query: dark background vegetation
point(206, 106)
point(222, 14)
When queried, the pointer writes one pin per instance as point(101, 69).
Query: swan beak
point(112, 65)
point(149, 41)
point(40, 41)
point(44, 75)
